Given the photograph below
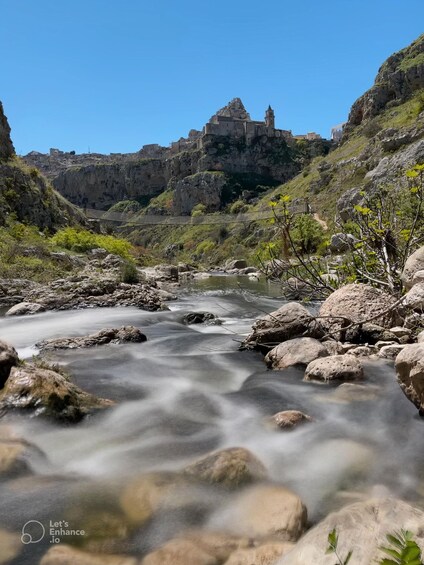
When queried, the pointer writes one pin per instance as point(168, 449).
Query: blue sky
point(112, 76)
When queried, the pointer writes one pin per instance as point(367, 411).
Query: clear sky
point(112, 76)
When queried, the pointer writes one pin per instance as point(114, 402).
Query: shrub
point(238, 207)
point(129, 273)
point(80, 240)
point(198, 210)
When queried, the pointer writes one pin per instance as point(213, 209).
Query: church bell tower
point(270, 118)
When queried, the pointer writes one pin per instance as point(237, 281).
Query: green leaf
point(348, 556)
point(412, 174)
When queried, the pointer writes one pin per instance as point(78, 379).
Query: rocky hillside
point(25, 193)
point(384, 136)
point(100, 181)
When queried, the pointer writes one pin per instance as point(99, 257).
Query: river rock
point(265, 554)
point(14, 458)
point(180, 552)
point(235, 264)
point(362, 528)
point(11, 546)
point(8, 359)
point(198, 318)
point(409, 366)
point(288, 322)
point(334, 368)
point(400, 332)
point(298, 351)
point(363, 351)
point(265, 510)
point(353, 392)
point(359, 302)
point(25, 308)
point(143, 496)
point(63, 554)
point(420, 337)
point(390, 351)
point(369, 334)
point(231, 468)
point(413, 265)
point(124, 334)
point(42, 392)
point(289, 419)
point(414, 298)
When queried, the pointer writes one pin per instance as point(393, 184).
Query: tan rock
point(299, 351)
point(232, 468)
point(413, 265)
point(48, 393)
point(362, 528)
point(289, 419)
point(180, 552)
point(409, 366)
point(265, 510)
point(62, 554)
point(359, 302)
point(265, 554)
point(10, 546)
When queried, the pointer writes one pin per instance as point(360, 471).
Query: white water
point(187, 391)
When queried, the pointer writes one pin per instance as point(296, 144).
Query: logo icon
point(33, 531)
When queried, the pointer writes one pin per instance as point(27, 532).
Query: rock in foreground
point(362, 529)
point(43, 392)
point(124, 334)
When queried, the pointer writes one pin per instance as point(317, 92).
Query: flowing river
point(188, 391)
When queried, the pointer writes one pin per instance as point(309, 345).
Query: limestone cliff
point(6, 146)
point(397, 80)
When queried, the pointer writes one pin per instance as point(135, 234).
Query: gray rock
point(8, 359)
point(236, 264)
point(414, 298)
point(290, 321)
point(413, 265)
point(124, 334)
point(391, 351)
point(199, 318)
point(298, 351)
point(335, 368)
point(341, 242)
point(201, 188)
point(25, 308)
point(357, 303)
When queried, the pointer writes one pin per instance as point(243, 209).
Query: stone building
point(233, 120)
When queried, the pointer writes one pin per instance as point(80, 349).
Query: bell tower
point(270, 118)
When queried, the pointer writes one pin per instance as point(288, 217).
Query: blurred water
point(187, 391)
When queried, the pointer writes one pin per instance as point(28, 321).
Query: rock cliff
point(25, 193)
point(6, 146)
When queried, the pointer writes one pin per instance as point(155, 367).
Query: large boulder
point(265, 510)
point(409, 366)
point(335, 368)
point(290, 321)
point(42, 392)
point(341, 242)
point(362, 528)
point(414, 263)
point(8, 359)
point(6, 146)
point(358, 303)
point(125, 334)
point(298, 351)
point(232, 468)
